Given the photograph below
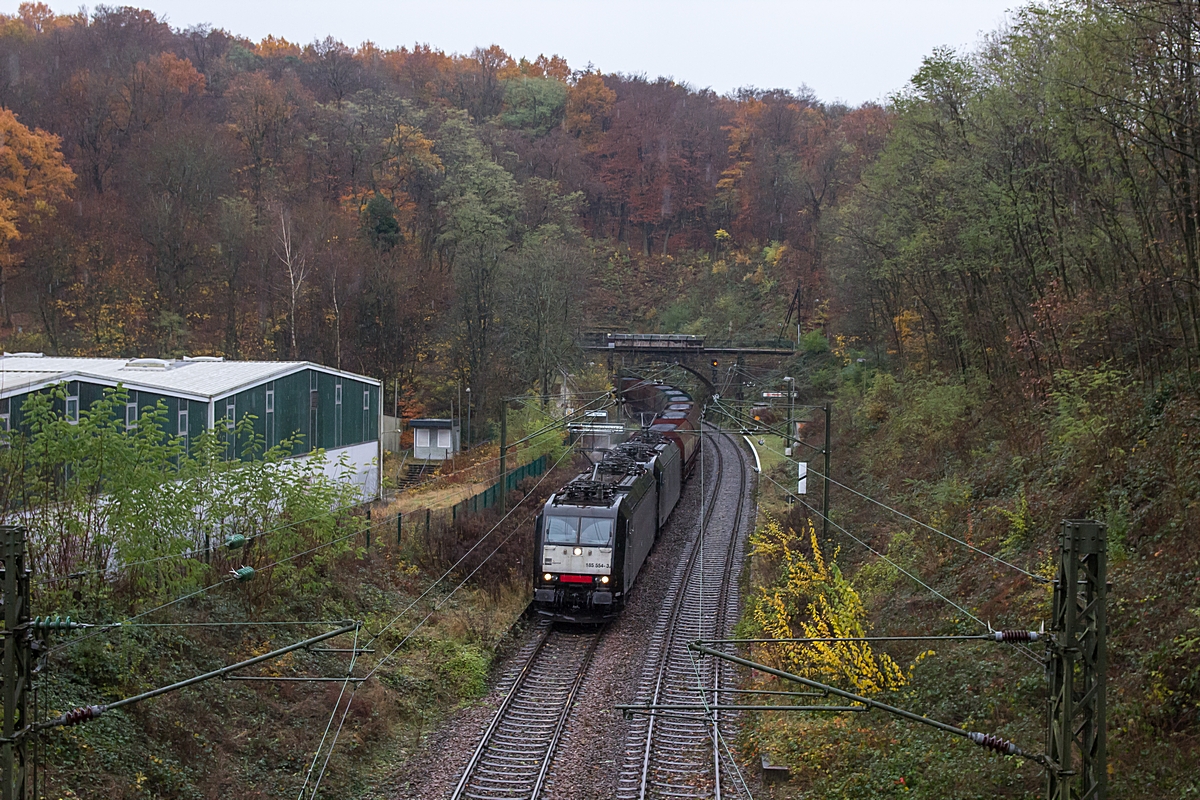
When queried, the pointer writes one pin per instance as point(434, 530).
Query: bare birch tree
point(295, 266)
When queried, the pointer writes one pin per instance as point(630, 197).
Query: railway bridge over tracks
point(688, 352)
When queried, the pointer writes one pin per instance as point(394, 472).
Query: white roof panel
point(210, 379)
point(13, 382)
point(24, 363)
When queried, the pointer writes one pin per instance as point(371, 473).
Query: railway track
point(682, 754)
point(514, 756)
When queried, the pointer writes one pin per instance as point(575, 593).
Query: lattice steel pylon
point(14, 695)
point(1076, 667)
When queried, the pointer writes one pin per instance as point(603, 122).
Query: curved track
point(514, 757)
point(676, 755)
point(683, 754)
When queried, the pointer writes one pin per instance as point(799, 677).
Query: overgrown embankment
point(999, 473)
point(149, 561)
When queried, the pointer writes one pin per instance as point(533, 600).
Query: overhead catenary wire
point(425, 619)
point(334, 511)
point(711, 715)
point(106, 628)
point(880, 555)
point(84, 713)
point(329, 724)
point(812, 471)
point(994, 636)
point(450, 570)
point(899, 568)
point(988, 741)
point(244, 624)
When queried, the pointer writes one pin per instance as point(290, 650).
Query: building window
point(444, 438)
point(73, 409)
point(313, 401)
point(270, 421)
point(131, 416)
point(230, 413)
point(337, 414)
point(183, 418)
point(421, 437)
point(366, 399)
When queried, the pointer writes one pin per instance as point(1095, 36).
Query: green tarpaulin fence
point(491, 495)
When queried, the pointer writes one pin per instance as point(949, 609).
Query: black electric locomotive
point(594, 534)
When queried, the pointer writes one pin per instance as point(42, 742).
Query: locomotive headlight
point(547, 577)
point(578, 551)
point(604, 579)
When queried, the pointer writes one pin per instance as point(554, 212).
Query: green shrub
point(814, 343)
point(464, 668)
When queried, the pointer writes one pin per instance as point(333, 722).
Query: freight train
point(594, 534)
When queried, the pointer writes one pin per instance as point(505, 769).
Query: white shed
point(434, 439)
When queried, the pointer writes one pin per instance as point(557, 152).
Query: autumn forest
point(994, 275)
point(192, 192)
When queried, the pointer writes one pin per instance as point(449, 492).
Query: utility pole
point(17, 663)
point(468, 417)
point(790, 383)
point(1077, 665)
point(825, 499)
point(503, 455)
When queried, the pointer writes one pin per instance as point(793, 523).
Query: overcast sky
point(850, 50)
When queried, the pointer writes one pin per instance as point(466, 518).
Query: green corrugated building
point(336, 411)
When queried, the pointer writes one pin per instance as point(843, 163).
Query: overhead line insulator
point(993, 742)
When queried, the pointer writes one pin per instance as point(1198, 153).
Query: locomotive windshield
point(595, 532)
point(590, 531)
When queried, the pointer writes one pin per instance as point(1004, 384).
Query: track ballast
point(685, 754)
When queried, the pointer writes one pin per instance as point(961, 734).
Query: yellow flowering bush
point(811, 599)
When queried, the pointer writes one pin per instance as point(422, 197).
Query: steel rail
point(469, 770)
point(723, 608)
point(667, 683)
point(669, 627)
point(562, 720)
point(491, 744)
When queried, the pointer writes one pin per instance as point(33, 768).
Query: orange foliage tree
point(33, 177)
